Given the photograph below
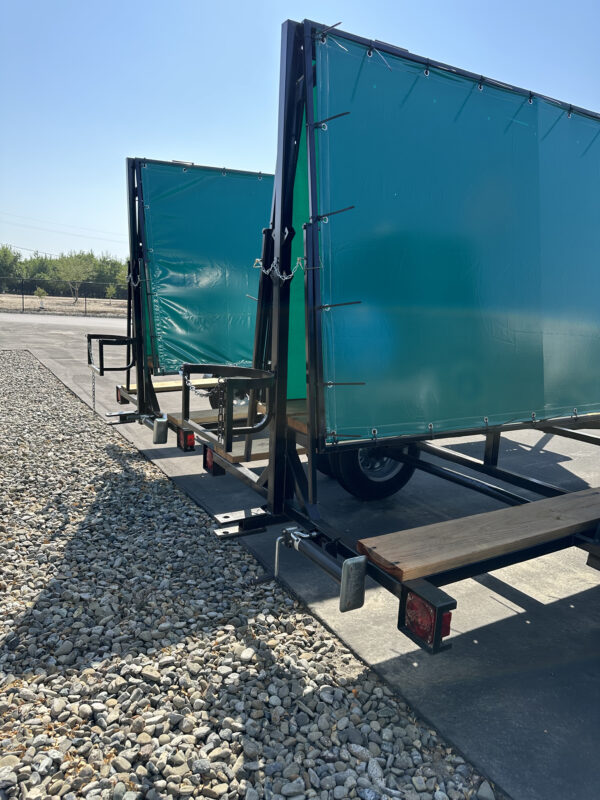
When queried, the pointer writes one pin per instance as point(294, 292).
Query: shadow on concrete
point(532, 460)
point(509, 690)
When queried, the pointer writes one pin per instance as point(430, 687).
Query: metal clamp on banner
point(350, 574)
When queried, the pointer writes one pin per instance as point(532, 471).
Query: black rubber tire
point(348, 466)
point(323, 464)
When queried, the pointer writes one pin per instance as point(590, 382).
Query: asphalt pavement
point(519, 692)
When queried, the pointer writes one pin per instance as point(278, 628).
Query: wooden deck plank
point(419, 552)
point(206, 417)
point(175, 386)
point(260, 451)
point(297, 414)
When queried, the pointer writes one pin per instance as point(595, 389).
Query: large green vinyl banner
point(203, 230)
point(473, 248)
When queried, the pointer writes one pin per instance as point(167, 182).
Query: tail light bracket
point(435, 607)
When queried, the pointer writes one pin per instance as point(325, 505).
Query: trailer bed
point(431, 549)
point(175, 386)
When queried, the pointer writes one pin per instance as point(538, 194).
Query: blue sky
point(86, 83)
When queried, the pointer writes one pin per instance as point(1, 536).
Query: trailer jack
point(350, 574)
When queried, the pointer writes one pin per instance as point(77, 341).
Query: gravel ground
point(139, 659)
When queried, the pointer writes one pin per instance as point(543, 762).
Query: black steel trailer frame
point(141, 354)
point(289, 492)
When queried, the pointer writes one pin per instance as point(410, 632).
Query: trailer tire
point(323, 464)
point(369, 474)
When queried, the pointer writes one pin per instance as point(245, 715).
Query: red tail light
point(209, 460)
point(420, 618)
point(186, 440)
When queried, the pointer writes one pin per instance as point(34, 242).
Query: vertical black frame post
point(134, 283)
point(262, 340)
point(146, 398)
point(312, 281)
point(291, 107)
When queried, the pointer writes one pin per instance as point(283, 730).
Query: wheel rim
point(377, 467)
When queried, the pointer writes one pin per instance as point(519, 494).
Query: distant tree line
point(68, 274)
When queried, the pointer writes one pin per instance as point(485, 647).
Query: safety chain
point(134, 284)
point(190, 385)
point(93, 391)
point(221, 410)
point(274, 268)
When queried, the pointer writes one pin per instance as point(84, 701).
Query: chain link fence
point(54, 296)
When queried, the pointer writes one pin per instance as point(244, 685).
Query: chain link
point(190, 385)
point(93, 391)
point(274, 268)
point(221, 410)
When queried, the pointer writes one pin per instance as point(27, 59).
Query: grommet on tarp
point(430, 426)
point(260, 176)
point(321, 123)
point(426, 70)
point(480, 84)
point(574, 413)
point(570, 112)
point(530, 98)
point(327, 306)
point(374, 433)
point(533, 419)
point(485, 421)
point(325, 217)
point(370, 52)
point(224, 171)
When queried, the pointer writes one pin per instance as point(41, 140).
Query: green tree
point(74, 269)
point(111, 291)
point(40, 293)
point(10, 261)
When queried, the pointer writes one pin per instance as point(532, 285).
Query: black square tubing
point(234, 379)
point(107, 341)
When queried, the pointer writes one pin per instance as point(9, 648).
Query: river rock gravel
point(138, 658)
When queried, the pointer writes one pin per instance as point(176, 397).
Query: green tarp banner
point(203, 231)
point(473, 248)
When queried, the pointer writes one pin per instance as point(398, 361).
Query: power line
point(64, 233)
point(29, 249)
point(61, 224)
